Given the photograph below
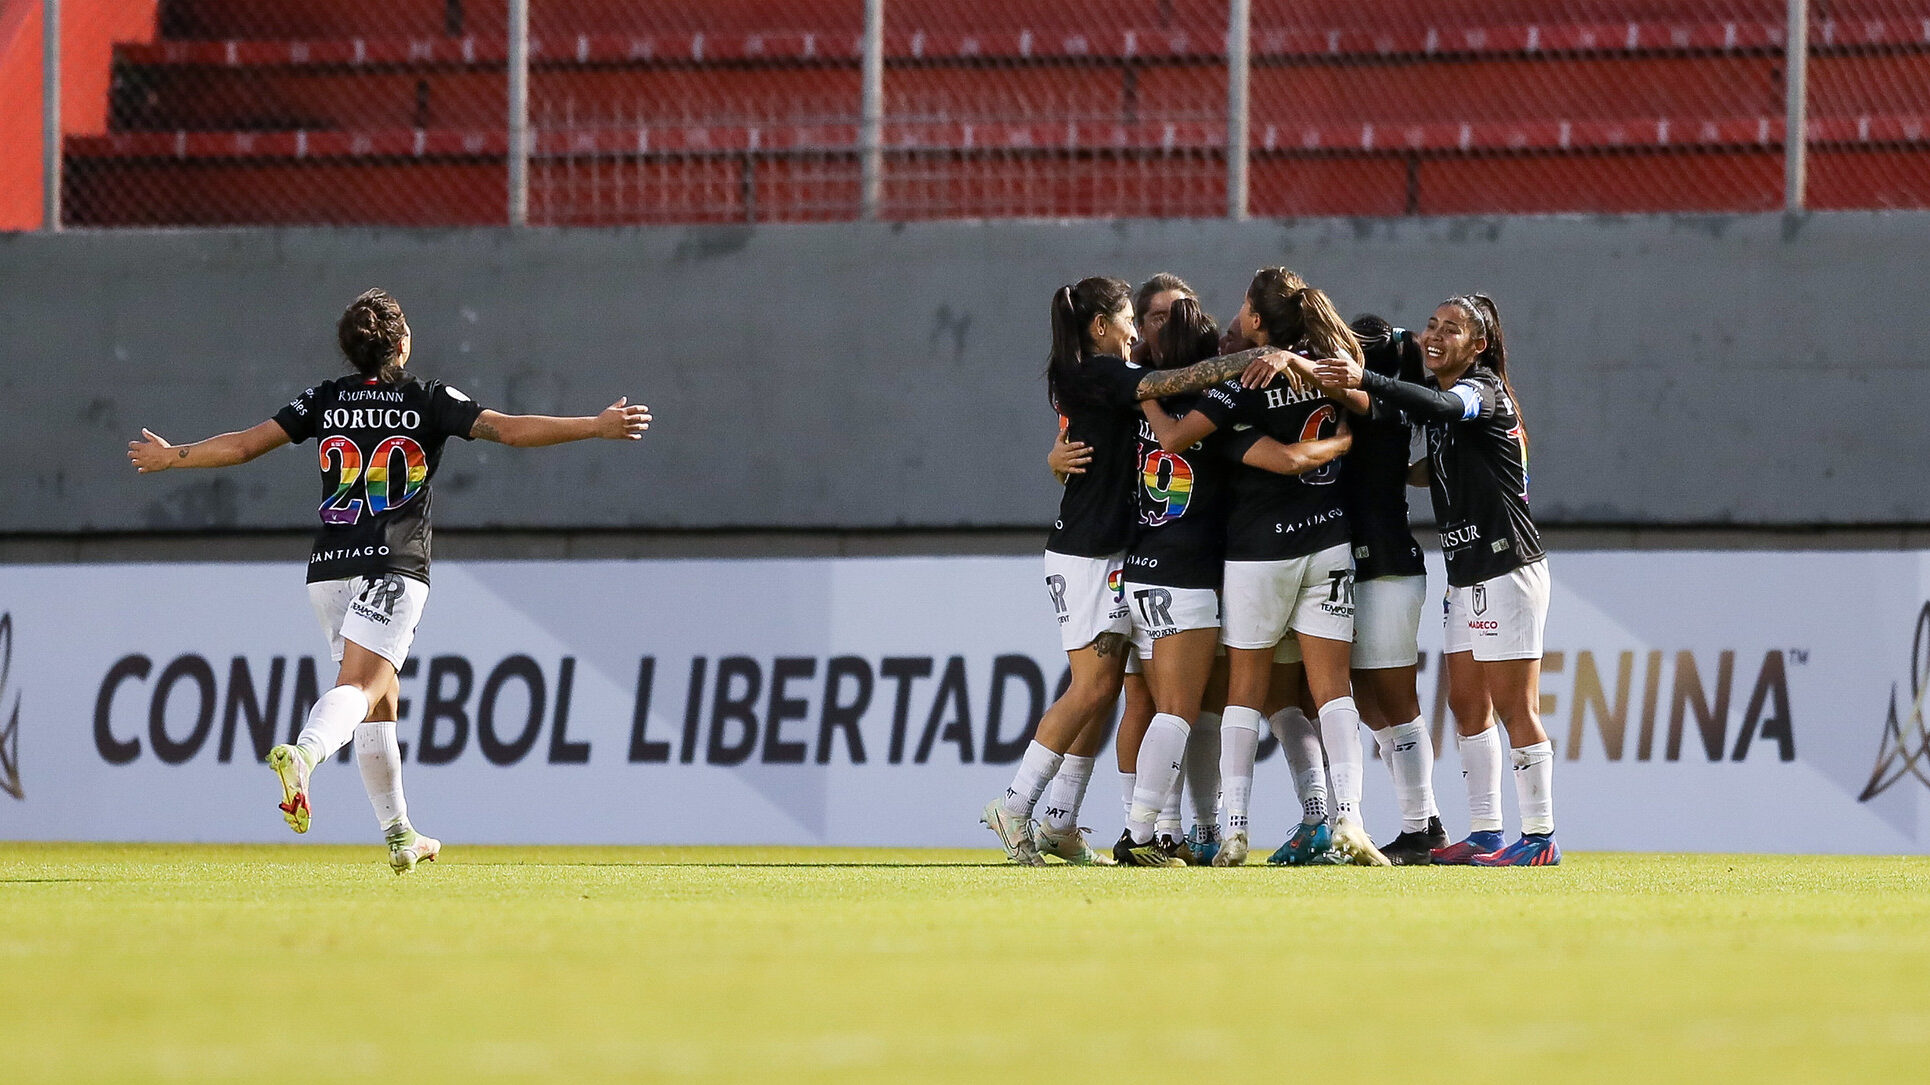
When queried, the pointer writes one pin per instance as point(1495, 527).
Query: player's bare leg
point(1326, 663)
point(1479, 742)
point(1059, 833)
point(1391, 708)
point(1096, 671)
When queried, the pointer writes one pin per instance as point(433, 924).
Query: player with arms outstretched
point(381, 434)
point(1497, 572)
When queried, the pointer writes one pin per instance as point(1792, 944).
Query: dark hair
point(1189, 335)
point(1294, 313)
point(1073, 308)
point(1487, 320)
point(1155, 286)
point(370, 333)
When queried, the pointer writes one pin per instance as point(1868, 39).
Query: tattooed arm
point(1172, 382)
point(620, 421)
point(153, 453)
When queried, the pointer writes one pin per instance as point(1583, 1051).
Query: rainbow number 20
point(395, 473)
point(1168, 479)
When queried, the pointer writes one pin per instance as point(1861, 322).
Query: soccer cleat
point(1071, 847)
point(1352, 841)
point(1159, 851)
point(1306, 842)
point(1533, 849)
point(408, 847)
point(1232, 850)
point(1416, 848)
point(292, 768)
point(1486, 842)
point(1203, 844)
point(1014, 833)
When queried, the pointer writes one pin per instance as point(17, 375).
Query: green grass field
point(312, 963)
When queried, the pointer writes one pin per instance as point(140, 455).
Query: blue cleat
point(1467, 851)
point(1202, 844)
point(1533, 849)
point(1307, 843)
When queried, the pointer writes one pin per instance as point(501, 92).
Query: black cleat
point(1413, 848)
point(1160, 851)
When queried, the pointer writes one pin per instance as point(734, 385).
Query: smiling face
point(1451, 342)
point(1113, 333)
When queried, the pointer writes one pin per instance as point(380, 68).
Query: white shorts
point(1267, 599)
point(1387, 622)
point(1088, 595)
point(377, 612)
point(1499, 619)
point(1159, 611)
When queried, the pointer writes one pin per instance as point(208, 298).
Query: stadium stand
point(279, 111)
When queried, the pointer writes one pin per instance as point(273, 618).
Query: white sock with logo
point(1067, 794)
point(1239, 738)
point(1409, 753)
point(1203, 768)
point(332, 722)
point(380, 760)
point(1301, 745)
point(1481, 768)
point(1035, 772)
point(1160, 755)
point(1535, 787)
point(1340, 733)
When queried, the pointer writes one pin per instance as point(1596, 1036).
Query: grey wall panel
point(1751, 370)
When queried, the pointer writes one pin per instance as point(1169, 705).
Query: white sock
point(1203, 768)
point(1340, 733)
point(1239, 737)
point(1168, 823)
point(1067, 794)
point(1301, 745)
point(1409, 754)
point(1160, 755)
point(1035, 772)
point(380, 760)
point(1535, 787)
point(1481, 768)
point(332, 722)
point(1127, 781)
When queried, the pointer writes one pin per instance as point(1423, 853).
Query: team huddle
point(1232, 552)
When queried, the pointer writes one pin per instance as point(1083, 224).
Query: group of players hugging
point(1232, 549)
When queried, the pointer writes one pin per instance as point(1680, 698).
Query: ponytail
point(1073, 308)
point(1189, 335)
point(1322, 328)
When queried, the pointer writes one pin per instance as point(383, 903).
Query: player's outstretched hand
point(1336, 374)
point(623, 421)
point(1278, 363)
point(149, 455)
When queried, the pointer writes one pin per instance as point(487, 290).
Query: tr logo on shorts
point(1155, 607)
point(1056, 585)
point(383, 594)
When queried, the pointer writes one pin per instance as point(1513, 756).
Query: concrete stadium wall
point(1674, 370)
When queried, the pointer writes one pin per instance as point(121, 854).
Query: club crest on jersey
point(1905, 746)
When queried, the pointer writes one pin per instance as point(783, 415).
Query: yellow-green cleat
point(291, 768)
point(1072, 847)
point(408, 847)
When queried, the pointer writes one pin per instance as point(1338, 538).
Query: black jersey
point(1276, 517)
point(380, 446)
point(1183, 500)
point(1096, 510)
point(1479, 464)
point(1373, 477)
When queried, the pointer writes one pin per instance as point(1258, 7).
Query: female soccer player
point(1390, 589)
point(1097, 390)
point(1288, 567)
point(1497, 571)
point(381, 434)
point(1179, 561)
